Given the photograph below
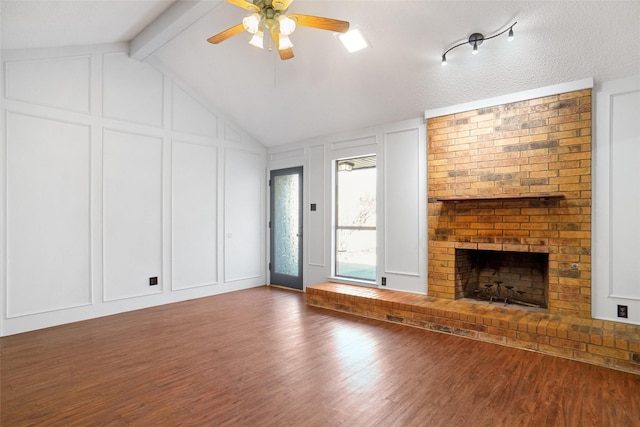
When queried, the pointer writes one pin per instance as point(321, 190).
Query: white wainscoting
point(317, 237)
point(133, 91)
point(244, 215)
point(190, 116)
point(194, 215)
point(48, 215)
point(112, 172)
point(616, 207)
point(59, 82)
point(132, 205)
point(404, 163)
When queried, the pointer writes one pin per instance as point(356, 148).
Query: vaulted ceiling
point(324, 89)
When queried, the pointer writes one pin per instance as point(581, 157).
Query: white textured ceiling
point(51, 23)
point(325, 90)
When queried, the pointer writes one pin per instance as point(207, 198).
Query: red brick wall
point(539, 146)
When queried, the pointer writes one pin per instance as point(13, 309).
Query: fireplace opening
point(503, 277)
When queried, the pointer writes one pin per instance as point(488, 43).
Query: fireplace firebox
point(503, 277)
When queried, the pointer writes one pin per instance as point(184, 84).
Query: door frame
point(293, 282)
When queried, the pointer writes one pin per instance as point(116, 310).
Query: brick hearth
point(611, 344)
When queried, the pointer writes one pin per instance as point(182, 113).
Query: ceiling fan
point(270, 16)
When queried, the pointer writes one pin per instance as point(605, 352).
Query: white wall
point(400, 150)
point(616, 200)
point(113, 172)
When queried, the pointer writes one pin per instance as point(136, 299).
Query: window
point(355, 210)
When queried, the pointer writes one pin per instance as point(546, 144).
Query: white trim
point(171, 23)
point(349, 281)
point(586, 83)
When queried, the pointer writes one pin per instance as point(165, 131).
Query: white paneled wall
point(113, 172)
point(616, 203)
point(132, 214)
point(190, 116)
point(316, 241)
point(400, 151)
point(405, 180)
point(48, 215)
point(133, 91)
point(66, 84)
point(244, 215)
point(194, 215)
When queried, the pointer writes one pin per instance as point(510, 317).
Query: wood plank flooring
point(262, 357)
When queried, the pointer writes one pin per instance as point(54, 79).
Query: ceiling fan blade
point(244, 4)
point(275, 38)
point(281, 4)
point(286, 53)
point(321, 23)
point(228, 33)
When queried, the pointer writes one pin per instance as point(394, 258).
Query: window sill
point(348, 281)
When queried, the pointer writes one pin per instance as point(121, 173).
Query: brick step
point(605, 343)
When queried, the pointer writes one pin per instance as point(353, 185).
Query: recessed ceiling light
point(353, 40)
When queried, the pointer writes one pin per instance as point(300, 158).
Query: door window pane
point(286, 224)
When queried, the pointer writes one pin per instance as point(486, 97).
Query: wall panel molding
point(190, 116)
point(132, 214)
point(244, 215)
point(130, 114)
point(194, 242)
point(616, 202)
point(48, 215)
point(364, 141)
point(131, 91)
point(316, 177)
point(401, 202)
point(57, 82)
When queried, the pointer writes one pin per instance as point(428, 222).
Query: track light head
point(475, 40)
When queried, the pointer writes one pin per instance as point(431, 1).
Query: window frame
point(337, 227)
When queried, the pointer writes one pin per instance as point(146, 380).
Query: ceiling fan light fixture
point(287, 25)
point(251, 23)
point(284, 42)
point(257, 40)
point(353, 40)
point(270, 16)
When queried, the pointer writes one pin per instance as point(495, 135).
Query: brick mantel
point(494, 162)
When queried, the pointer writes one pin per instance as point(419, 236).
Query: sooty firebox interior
point(502, 277)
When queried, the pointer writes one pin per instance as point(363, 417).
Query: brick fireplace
point(514, 178)
point(509, 200)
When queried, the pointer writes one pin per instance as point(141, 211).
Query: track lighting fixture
point(476, 39)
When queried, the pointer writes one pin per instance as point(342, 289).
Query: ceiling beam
point(177, 18)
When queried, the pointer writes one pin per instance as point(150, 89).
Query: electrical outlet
point(623, 311)
point(384, 281)
point(153, 281)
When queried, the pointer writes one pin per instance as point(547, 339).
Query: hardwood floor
point(262, 357)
